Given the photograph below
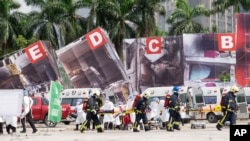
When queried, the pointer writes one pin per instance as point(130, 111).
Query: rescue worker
point(155, 109)
point(92, 112)
point(165, 110)
point(27, 113)
point(231, 107)
point(81, 116)
point(140, 110)
point(108, 118)
point(11, 124)
point(174, 108)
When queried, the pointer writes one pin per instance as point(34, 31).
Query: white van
point(70, 96)
point(212, 109)
point(247, 94)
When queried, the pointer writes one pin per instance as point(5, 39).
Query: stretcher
point(198, 124)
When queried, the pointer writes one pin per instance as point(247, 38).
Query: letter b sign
point(226, 42)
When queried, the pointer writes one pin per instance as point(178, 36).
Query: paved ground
point(65, 133)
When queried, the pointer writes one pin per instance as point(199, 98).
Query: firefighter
point(93, 107)
point(174, 108)
point(231, 107)
point(140, 110)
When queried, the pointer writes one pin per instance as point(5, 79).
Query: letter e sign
point(226, 42)
point(153, 45)
point(35, 52)
point(95, 38)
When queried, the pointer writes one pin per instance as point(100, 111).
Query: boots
point(177, 127)
point(218, 126)
point(147, 128)
point(77, 127)
point(100, 130)
point(135, 130)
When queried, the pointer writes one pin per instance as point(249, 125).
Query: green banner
point(55, 109)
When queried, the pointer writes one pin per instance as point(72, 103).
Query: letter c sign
point(153, 45)
point(95, 38)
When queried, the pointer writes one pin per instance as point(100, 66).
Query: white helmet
point(234, 89)
point(96, 92)
point(146, 95)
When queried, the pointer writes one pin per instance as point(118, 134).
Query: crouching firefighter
point(140, 112)
point(93, 107)
point(174, 108)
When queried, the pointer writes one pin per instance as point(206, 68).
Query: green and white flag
point(55, 109)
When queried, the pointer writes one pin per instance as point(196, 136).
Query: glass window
point(210, 99)
point(34, 101)
point(241, 98)
point(248, 99)
point(67, 101)
point(45, 101)
point(199, 99)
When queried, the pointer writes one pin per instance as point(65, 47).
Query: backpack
point(222, 102)
point(167, 99)
point(137, 98)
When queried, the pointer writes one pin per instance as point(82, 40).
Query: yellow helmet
point(234, 89)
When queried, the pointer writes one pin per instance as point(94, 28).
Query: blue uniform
point(174, 108)
point(230, 108)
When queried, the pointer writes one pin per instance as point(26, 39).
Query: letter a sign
point(35, 52)
point(95, 38)
point(153, 45)
point(226, 42)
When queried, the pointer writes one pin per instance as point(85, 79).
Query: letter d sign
point(226, 42)
point(153, 45)
point(95, 38)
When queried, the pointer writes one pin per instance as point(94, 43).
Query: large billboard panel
point(243, 49)
point(205, 60)
point(92, 62)
point(210, 59)
point(154, 61)
point(32, 67)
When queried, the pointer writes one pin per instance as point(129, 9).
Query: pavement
point(66, 133)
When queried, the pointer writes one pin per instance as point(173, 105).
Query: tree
point(120, 21)
point(53, 22)
point(221, 5)
point(9, 21)
point(147, 10)
point(182, 19)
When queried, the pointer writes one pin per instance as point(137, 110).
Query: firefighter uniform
point(93, 107)
point(140, 110)
point(231, 107)
point(174, 108)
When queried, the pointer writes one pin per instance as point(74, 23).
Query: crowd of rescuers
point(136, 112)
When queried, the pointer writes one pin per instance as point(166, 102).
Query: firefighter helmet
point(234, 89)
point(176, 89)
point(146, 95)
